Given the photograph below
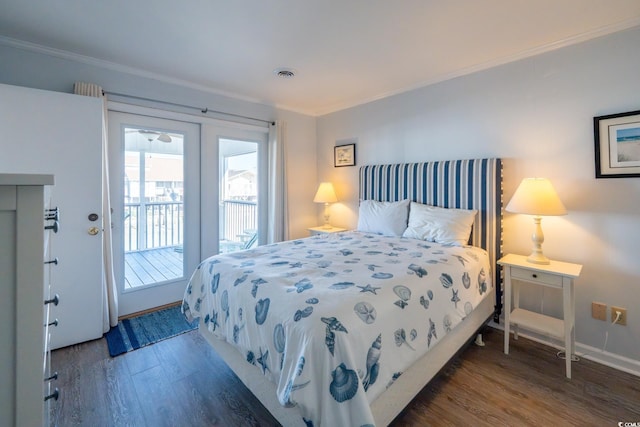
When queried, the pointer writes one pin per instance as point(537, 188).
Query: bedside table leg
point(515, 292)
point(568, 323)
point(507, 307)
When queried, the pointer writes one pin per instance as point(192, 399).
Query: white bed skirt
point(390, 403)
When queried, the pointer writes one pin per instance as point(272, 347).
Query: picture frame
point(344, 155)
point(617, 145)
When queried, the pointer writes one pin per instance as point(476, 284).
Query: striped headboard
point(462, 184)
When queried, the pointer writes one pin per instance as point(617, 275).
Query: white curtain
point(278, 216)
point(109, 293)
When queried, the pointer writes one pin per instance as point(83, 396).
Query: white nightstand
point(314, 231)
point(558, 275)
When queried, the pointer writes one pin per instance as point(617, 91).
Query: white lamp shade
point(536, 196)
point(325, 193)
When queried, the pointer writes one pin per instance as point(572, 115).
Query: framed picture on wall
point(344, 155)
point(617, 150)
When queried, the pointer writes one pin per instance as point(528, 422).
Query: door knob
point(93, 231)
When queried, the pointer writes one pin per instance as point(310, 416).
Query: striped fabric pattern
point(462, 184)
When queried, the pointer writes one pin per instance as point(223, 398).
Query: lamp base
point(538, 258)
point(326, 216)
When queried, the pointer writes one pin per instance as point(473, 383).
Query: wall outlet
point(623, 316)
point(599, 311)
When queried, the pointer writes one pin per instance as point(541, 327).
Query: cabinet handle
point(54, 323)
point(55, 226)
point(55, 300)
point(535, 276)
point(54, 395)
point(52, 377)
point(53, 261)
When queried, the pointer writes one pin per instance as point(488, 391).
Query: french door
point(155, 189)
point(233, 188)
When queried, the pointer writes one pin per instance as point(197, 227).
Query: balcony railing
point(161, 225)
point(237, 218)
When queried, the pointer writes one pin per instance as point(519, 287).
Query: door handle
point(93, 231)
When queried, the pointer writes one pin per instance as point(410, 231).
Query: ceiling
point(344, 52)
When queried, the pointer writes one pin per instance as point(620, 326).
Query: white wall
point(28, 68)
point(536, 114)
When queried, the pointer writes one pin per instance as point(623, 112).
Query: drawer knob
point(52, 214)
point(53, 261)
point(55, 226)
point(52, 377)
point(55, 300)
point(54, 323)
point(54, 395)
point(534, 275)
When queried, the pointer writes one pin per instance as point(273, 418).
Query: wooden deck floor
point(152, 266)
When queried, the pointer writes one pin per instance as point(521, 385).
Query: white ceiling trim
point(63, 54)
point(599, 32)
point(101, 63)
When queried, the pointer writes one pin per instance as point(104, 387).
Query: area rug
point(136, 332)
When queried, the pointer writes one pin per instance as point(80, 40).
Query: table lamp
point(326, 195)
point(536, 196)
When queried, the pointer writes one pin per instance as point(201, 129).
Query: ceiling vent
point(285, 73)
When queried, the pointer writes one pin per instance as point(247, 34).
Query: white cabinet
point(45, 132)
point(24, 362)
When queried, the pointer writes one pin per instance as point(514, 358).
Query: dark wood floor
point(182, 382)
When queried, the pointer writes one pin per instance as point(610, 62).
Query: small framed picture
point(344, 155)
point(617, 140)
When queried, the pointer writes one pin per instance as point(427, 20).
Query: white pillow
point(387, 218)
point(441, 225)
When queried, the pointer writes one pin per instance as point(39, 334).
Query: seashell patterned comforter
point(334, 319)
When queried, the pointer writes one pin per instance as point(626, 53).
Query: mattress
point(334, 320)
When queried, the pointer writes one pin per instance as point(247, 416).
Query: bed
point(346, 328)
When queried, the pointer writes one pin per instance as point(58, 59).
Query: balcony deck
point(152, 266)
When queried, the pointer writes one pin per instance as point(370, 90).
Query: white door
point(61, 134)
point(233, 188)
point(155, 189)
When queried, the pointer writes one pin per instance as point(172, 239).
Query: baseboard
point(149, 310)
point(606, 358)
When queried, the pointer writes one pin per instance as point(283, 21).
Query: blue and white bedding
point(333, 320)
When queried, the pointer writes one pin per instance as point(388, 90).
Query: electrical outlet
point(599, 311)
point(623, 316)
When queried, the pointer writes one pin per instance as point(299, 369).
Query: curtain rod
point(203, 110)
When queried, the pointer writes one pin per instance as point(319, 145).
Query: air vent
point(285, 73)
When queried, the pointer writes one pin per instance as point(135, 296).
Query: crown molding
point(63, 54)
point(100, 63)
point(538, 50)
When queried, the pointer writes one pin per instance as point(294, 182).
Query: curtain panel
point(109, 292)
point(278, 214)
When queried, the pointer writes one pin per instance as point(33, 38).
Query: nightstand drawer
point(536, 277)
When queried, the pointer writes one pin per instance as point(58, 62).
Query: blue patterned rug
point(133, 333)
